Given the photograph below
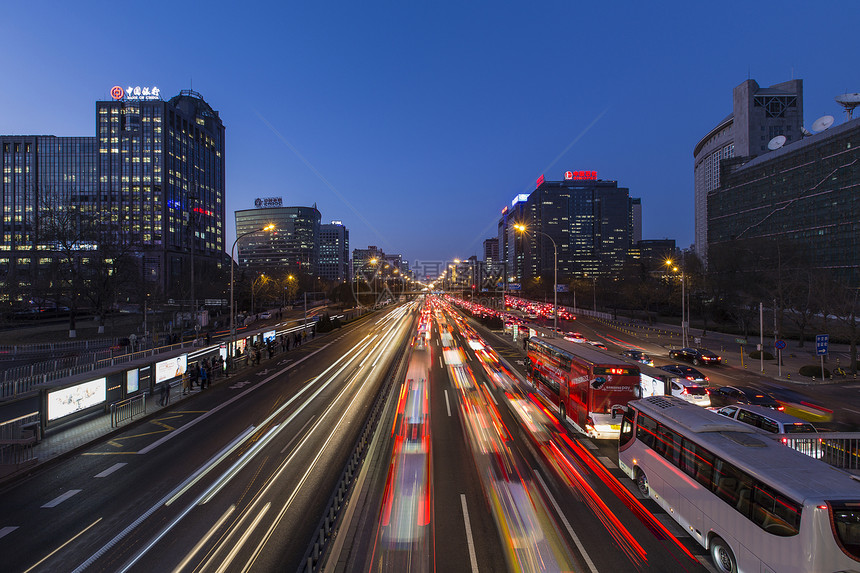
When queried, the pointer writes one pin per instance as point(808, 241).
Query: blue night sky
point(416, 122)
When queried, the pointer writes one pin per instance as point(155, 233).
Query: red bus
point(589, 387)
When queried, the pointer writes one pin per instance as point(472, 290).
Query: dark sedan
point(697, 356)
point(685, 371)
point(638, 356)
point(742, 395)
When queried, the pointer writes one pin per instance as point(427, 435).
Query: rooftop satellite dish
point(823, 122)
point(848, 102)
point(805, 132)
point(776, 142)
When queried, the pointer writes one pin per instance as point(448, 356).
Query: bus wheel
point(561, 413)
point(721, 554)
point(642, 483)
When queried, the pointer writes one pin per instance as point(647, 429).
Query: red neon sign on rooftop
point(580, 175)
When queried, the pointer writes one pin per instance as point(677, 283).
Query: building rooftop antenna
point(848, 102)
point(776, 142)
point(822, 123)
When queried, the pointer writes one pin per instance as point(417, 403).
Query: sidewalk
point(669, 337)
point(67, 439)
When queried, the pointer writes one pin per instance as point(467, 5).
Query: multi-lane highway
point(508, 488)
point(469, 470)
point(233, 480)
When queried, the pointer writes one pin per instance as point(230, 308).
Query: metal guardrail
point(839, 449)
point(53, 347)
point(316, 552)
point(18, 439)
point(127, 409)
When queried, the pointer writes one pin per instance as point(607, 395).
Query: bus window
point(698, 463)
point(775, 513)
point(732, 486)
point(626, 427)
point(846, 521)
point(646, 431)
point(668, 444)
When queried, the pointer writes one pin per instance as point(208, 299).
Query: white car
point(691, 392)
point(265, 315)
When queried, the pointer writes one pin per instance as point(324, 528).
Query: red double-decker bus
point(589, 387)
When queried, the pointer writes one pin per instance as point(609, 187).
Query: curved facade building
point(758, 115)
point(293, 247)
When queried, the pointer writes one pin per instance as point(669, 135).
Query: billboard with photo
point(172, 368)
point(76, 398)
point(268, 336)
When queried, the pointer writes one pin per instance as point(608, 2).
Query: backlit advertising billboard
point(172, 368)
point(76, 398)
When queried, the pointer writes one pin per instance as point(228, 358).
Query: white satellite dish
point(848, 102)
point(805, 132)
point(822, 123)
point(776, 142)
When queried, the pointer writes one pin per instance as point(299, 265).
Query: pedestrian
point(195, 375)
point(186, 384)
point(165, 393)
point(204, 377)
point(287, 340)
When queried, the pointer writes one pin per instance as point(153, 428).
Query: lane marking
point(447, 403)
point(61, 546)
point(196, 421)
point(851, 410)
point(608, 463)
point(110, 470)
point(469, 540)
point(57, 501)
point(493, 398)
point(8, 530)
point(298, 434)
point(566, 523)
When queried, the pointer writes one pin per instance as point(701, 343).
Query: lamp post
point(522, 229)
point(670, 264)
point(232, 284)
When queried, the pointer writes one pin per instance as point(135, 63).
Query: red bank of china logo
point(117, 92)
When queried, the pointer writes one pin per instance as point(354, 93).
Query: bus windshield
point(846, 521)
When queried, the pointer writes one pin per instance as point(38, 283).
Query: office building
point(292, 248)
point(151, 182)
point(796, 207)
point(590, 221)
point(491, 250)
point(758, 115)
point(334, 252)
point(367, 261)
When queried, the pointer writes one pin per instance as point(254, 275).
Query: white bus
point(756, 505)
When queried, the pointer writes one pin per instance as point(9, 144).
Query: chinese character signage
point(580, 175)
point(136, 93)
point(268, 202)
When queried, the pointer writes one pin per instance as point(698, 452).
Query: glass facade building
point(334, 252)
point(293, 246)
point(591, 222)
point(152, 178)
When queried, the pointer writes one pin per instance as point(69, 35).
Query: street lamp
point(269, 227)
point(522, 229)
point(253, 285)
point(671, 265)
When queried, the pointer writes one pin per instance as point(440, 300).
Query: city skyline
point(415, 126)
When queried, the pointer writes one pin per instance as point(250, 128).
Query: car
point(684, 371)
point(638, 356)
point(698, 356)
point(265, 315)
point(575, 337)
point(776, 422)
point(728, 395)
point(598, 344)
point(691, 392)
